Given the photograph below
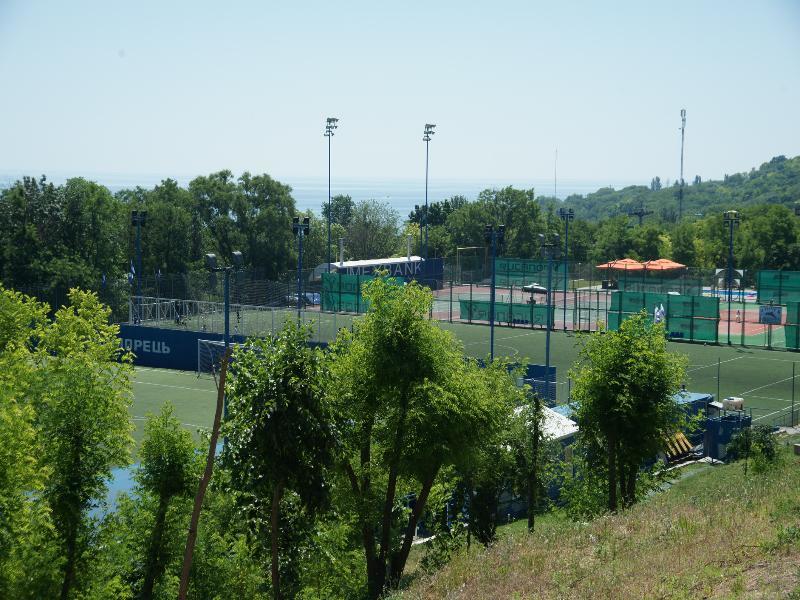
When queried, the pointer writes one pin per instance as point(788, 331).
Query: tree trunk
point(632, 473)
point(612, 473)
point(398, 563)
point(69, 567)
point(154, 568)
point(470, 520)
point(274, 536)
point(191, 538)
point(533, 481)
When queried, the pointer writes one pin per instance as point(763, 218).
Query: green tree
point(625, 381)
point(82, 417)
point(683, 248)
point(407, 405)
point(372, 231)
point(279, 437)
point(166, 472)
point(341, 210)
point(28, 561)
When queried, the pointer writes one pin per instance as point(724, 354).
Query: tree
point(407, 405)
point(28, 560)
point(683, 250)
point(279, 437)
point(82, 403)
point(655, 184)
point(341, 210)
point(372, 231)
point(624, 383)
point(166, 472)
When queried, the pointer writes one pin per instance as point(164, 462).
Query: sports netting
point(344, 293)
point(693, 318)
point(519, 271)
point(779, 287)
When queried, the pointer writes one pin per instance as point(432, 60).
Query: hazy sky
point(185, 88)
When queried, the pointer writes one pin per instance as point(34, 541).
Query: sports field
point(193, 398)
point(762, 377)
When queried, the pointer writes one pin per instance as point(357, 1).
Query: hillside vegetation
point(717, 533)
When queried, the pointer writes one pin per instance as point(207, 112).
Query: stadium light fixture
point(567, 215)
point(331, 124)
point(550, 250)
point(426, 137)
point(731, 220)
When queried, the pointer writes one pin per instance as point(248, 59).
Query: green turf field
point(194, 398)
point(762, 377)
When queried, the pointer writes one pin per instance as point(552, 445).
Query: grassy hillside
point(717, 533)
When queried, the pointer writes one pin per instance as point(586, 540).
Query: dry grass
point(717, 534)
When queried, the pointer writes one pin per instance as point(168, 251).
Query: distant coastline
point(401, 194)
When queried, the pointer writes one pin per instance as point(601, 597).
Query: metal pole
point(227, 337)
point(793, 373)
point(299, 273)
point(730, 278)
point(427, 144)
point(566, 268)
point(491, 302)
point(718, 377)
point(329, 203)
point(680, 191)
point(549, 324)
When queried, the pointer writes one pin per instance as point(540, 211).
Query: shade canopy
point(623, 264)
point(663, 264)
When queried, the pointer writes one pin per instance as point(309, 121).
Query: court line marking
point(769, 414)
point(182, 424)
point(176, 387)
point(763, 386)
point(714, 364)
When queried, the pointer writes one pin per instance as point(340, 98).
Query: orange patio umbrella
point(623, 264)
point(663, 264)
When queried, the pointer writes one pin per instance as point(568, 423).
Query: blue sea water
point(401, 194)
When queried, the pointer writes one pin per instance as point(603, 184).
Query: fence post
point(451, 301)
point(793, 370)
point(470, 302)
point(511, 305)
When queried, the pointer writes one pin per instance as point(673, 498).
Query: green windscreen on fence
point(656, 284)
point(520, 271)
point(792, 327)
point(342, 293)
point(674, 306)
point(693, 318)
point(781, 287)
point(505, 312)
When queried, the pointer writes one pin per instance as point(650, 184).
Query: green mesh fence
point(519, 271)
point(658, 284)
point(674, 306)
point(343, 293)
point(506, 312)
point(781, 287)
point(692, 318)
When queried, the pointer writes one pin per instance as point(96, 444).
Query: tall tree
point(279, 436)
point(166, 472)
point(372, 231)
point(408, 404)
point(624, 382)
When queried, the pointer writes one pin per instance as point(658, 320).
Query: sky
point(187, 88)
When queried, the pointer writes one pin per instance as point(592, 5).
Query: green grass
point(762, 377)
point(194, 399)
point(715, 534)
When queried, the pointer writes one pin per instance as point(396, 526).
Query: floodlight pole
point(731, 221)
point(567, 215)
point(426, 137)
point(494, 235)
point(211, 263)
point(300, 230)
point(680, 190)
point(330, 125)
point(139, 218)
point(549, 250)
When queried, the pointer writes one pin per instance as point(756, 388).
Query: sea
point(310, 193)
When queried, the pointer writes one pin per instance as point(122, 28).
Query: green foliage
point(624, 383)
point(407, 405)
point(279, 437)
point(756, 443)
